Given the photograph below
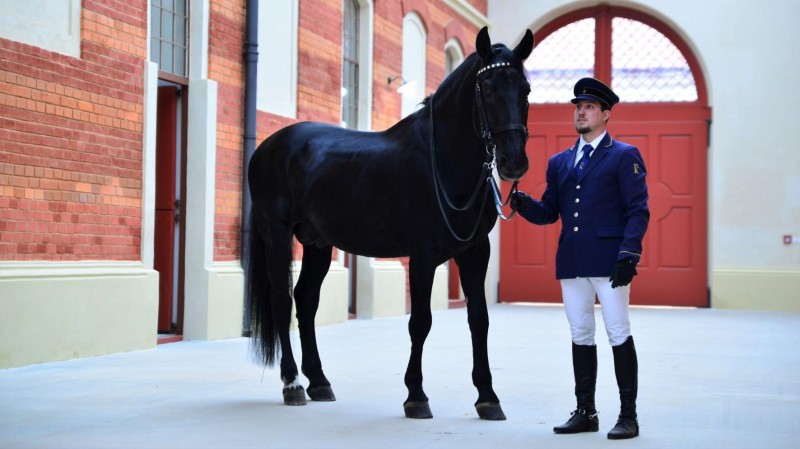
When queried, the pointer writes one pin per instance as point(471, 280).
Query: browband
point(494, 66)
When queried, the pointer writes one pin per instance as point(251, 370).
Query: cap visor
point(586, 97)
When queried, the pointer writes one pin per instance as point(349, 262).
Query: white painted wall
point(64, 310)
point(53, 25)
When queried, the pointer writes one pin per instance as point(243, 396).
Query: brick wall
point(71, 134)
point(71, 141)
point(226, 66)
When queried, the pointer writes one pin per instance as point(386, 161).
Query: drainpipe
point(248, 139)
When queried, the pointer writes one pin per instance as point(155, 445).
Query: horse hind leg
point(316, 263)
point(279, 259)
point(269, 303)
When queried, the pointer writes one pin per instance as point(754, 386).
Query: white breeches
point(579, 298)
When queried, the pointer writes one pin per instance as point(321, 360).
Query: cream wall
point(746, 51)
point(62, 310)
point(58, 311)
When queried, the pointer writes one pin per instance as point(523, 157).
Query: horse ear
point(483, 45)
point(525, 46)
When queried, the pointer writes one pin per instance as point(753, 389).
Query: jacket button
point(577, 200)
point(578, 186)
point(575, 229)
point(575, 214)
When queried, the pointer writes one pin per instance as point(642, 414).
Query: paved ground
point(708, 379)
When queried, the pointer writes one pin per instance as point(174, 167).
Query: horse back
point(368, 193)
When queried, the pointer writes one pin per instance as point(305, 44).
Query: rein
point(439, 186)
point(498, 202)
point(486, 176)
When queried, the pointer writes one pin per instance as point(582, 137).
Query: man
point(598, 190)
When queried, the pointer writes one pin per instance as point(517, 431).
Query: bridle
point(486, 133)
point(486, 127)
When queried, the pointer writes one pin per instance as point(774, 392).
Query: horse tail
point(264, 330)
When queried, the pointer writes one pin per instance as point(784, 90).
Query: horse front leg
point(472, 266)
point(420, 276)
point(316, 263)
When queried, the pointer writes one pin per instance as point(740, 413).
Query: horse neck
point(460, 152)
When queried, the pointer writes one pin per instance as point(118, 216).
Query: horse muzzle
point(512, 168)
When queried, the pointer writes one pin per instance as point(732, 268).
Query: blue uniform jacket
point(604, 214)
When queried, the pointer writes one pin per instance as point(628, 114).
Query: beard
point(583, 129)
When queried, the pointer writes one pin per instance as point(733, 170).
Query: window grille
point(559, 60)
point(169, 39)
point(645, 65)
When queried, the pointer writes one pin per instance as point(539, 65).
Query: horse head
point(501, 96)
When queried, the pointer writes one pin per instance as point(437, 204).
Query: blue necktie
point(584, 160)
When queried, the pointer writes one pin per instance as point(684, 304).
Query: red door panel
point(528, 251)
point(165, 203)
point(673, 268)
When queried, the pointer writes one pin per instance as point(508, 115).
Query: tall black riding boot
point(626, 367)
point(584, 366)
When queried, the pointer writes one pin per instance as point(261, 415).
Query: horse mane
point(471, 65)
point(457, 77)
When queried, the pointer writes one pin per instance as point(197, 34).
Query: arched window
point(276, 89)
point(645, 65)
point(453, 56)
point(414, 40)
point(357, 64)
point(350, 64)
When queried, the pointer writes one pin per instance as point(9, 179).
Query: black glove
point(623, 272)
point(520, 201)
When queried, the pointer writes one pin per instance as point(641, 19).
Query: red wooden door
point(165, 204)
point(673, 268)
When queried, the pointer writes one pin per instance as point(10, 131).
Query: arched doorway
point(663, 112)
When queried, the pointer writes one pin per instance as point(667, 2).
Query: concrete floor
point(708, 379)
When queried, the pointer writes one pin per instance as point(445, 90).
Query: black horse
point(418, 189)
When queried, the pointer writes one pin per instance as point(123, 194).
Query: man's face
point(589, 116)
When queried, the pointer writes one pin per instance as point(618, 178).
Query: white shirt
point(582, 142)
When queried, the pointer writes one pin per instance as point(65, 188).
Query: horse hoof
point(417, 410)
point(490, 411)
point(322, 393)
point(294, 396)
